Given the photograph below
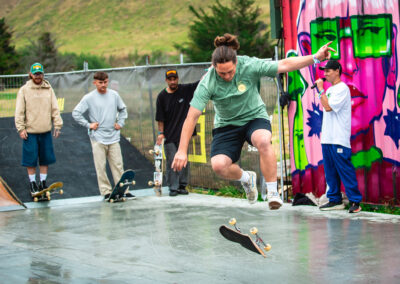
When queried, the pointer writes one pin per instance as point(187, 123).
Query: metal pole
point(151, 100)
point(279, 86)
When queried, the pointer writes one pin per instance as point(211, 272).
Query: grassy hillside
point(106, 27)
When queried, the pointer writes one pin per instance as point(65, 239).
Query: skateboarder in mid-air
point(35, 113)
point(240, 113)
point(107, 114)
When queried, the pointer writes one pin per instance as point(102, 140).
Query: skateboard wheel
point(267, 247)
point(254, 230)
point(123, 199)
point(133, 182)
point(48, 194)
point(35, 199)
point(150, 183)
point(232, 221)
point(48, 198)
point(61, 191)
point(111, 200)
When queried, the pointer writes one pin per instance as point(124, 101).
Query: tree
point(45, 51)
point(9, 58)
point(240, 19)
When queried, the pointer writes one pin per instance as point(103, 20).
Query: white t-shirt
point(336, 124)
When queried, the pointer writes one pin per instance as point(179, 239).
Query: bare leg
point(31, 170)
point(222, 165)
point(44, 169)
point(261, 139)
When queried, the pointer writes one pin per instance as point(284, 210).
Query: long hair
point(225, 49)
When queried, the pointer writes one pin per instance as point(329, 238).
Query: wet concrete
point(176, 240)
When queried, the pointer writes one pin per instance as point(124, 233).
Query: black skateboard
point(235, 235)
point(45, 194)
point(118, 192)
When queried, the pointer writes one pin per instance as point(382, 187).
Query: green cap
point(36, 68)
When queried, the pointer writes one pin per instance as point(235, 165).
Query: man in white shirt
point(335, 140)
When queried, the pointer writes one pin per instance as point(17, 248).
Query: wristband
point(160, 132)
point(316, 60)
point(320, 93)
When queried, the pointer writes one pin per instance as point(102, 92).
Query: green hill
point(106, 27)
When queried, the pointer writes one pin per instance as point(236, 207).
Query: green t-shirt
point(238, 101)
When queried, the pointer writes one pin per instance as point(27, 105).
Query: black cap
point(332, 64)
point(171, 73)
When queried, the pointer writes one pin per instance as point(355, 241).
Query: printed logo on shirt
point(340, 150)
point(241, 87)
point(180, 100)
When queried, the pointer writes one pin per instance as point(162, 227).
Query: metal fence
point(139, 87)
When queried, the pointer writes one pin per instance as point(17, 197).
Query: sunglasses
point(371, 34)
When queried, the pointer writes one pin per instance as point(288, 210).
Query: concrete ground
point(176, 240)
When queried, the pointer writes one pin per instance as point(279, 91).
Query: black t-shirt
point(172, 110)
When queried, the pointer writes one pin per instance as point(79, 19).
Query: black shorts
point(229, 140)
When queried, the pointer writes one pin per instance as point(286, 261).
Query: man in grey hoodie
point(107, 114)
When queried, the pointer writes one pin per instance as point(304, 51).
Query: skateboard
point(157, 153)
point(45, 194)
point(243, 239)
point(120, 187)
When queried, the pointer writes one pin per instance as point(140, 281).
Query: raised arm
point(296, 63)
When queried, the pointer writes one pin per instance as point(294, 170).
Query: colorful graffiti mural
point(365, 37)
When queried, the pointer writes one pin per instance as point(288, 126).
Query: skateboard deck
point(45, 194)
point(157, 153)
point(235, 235)
point(120, 187)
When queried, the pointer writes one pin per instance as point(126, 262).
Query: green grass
point(111, 27)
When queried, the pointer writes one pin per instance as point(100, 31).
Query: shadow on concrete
point(74, 166)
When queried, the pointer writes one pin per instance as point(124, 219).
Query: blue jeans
point(338, 168)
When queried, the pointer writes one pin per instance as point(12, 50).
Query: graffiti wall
point(365, 37)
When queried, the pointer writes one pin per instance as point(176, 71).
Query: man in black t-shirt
point(172, 108)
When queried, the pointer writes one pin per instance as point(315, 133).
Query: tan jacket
point(37, 108)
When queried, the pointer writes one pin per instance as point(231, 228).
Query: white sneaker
point(251, 187)
point(274, 200)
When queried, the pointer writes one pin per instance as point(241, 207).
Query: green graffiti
point(296, 88)
point(371, 34)
point(398, 97)
point(364, 159)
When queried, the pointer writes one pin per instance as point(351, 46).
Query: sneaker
point(182, 190)
point(129, 195)
point(251, 187)
point(42, 185)
point(33, 187)
point(332, 206)
point(274, 200)
point(107, 196)
point(173, 192)
point(354, 207)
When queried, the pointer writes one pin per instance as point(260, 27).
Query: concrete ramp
point(74, 166)
point(8, 200)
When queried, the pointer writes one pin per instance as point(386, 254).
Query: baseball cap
point(171, 73)
point(36, 68)
point(332, 64)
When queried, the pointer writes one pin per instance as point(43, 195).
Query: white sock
point(32, 177)
point(43, 177)
point(245, 176)
point(272, 187)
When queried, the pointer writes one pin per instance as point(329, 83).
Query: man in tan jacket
point(36, 110)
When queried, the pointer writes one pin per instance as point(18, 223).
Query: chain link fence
point(139, 88)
